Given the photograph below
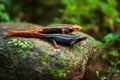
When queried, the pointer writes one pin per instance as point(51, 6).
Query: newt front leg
point(71, 45)
point(56, 45)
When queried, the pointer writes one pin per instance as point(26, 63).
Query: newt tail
point(25, 34)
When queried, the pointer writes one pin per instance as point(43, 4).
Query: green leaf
point(112, 3)
point(105, 56)
point(24, 55)
point(103, 78)
point(5, 17)
point(6, 55)
point(100, 44)
point(110, 38)
point(114, 53)
point(112, 70)
point(74, 20)
point(24, 46)
point(118, 62)
point(2, 7)
point(97, 74)
point(118, 20)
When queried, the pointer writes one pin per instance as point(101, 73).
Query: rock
point(100, 69)
point(116, 76)
point(35, 59)
point(97, 63)
point(100, 66)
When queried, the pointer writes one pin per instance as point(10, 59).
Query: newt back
point(61, 28)
point(64, 39)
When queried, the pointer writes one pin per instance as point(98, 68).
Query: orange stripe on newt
point(63, 31)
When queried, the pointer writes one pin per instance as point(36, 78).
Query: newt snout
point(81, 37)
point(76, 27)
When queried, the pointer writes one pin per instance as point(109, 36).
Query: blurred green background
point(98, 18)
point(95, 16)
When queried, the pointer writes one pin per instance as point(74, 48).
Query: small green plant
point(2, 76)
point(111, 56)
point(98, 74)
point(1, 48)
point(102, 77)
point(45, 58)
point(109, 39)
point(100, 44)
point(22, 46)
point(58, 73)
point(62, 62)
point(4, 16)
point(114, 62)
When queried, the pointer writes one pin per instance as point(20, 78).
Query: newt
point(58, 28)
point(61, 28)
point(55, 39)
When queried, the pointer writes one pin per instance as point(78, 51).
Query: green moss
point(2, 76)
point(90, 39)
point(23, 45)
point(15, 46)
point(84, 52)
point(73, 57)
point(62, 62)
point(77, 48)
point(97, 74)
point(45, 58)
point(58, 73)
point(1, 45)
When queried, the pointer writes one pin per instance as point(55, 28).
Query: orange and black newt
point(56, 39)
point(61, 28)
point(58, 28)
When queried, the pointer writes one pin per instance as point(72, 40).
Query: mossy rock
point(35, 59)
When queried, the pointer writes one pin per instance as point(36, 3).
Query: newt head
point(80, 38)
point(76, 28)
